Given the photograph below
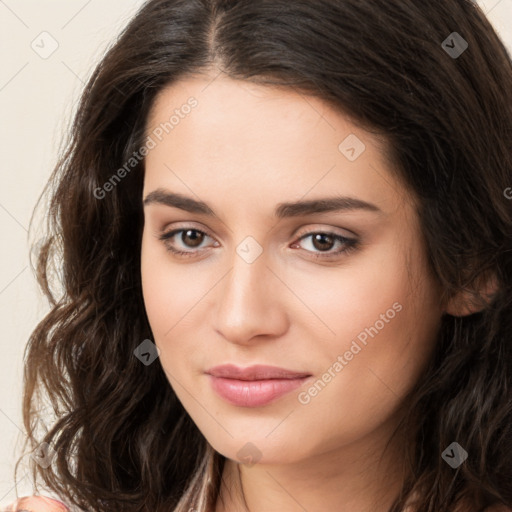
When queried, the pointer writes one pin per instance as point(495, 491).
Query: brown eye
point(323, 241)
point(182, 242)
point(320, 242)
point(191, 238)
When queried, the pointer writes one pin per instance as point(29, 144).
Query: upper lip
point(255, 372)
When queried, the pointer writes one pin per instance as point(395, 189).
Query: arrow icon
point(351, 147)
point(455, 45)
point(249, 454)
point(147, 352)
point(43, 455)
point(247, 252)
point(44, 45)
point(454, 455)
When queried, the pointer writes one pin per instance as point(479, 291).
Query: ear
point(475, 298)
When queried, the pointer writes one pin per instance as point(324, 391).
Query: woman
point(287, 264)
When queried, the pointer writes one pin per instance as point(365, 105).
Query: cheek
point(343, 303)
point(384, 317)
point(384, 345)
point(168, 291)
point(175, 298)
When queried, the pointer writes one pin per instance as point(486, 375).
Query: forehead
point(235, 137)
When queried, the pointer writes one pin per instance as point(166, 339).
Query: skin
point(243, 150)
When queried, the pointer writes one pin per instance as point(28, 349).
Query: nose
point(250, 302)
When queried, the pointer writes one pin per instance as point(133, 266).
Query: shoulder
point(37, 504)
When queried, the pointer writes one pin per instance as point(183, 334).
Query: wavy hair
point(122, 440)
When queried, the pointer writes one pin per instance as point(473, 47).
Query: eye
point(324, 241)
point(190, 238)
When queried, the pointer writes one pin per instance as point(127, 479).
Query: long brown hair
point(443, 103)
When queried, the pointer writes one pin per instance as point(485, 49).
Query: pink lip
point(254, 386)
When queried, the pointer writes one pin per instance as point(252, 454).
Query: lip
point(255, 372)
point(254, 386)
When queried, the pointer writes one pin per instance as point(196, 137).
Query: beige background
point(37, 97)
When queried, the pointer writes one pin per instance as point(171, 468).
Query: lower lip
point(254, 393)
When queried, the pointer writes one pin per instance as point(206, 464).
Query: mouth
point(255, 372)
point(254, 386)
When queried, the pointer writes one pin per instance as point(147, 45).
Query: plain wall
point(38, 94)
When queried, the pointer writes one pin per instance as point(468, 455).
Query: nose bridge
point(248, 276)
point(244, 306)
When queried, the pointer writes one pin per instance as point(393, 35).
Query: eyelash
point(351, 244)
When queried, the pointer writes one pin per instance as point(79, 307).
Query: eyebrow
point(283, 210)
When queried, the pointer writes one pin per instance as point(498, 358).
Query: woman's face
point(265, 281)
